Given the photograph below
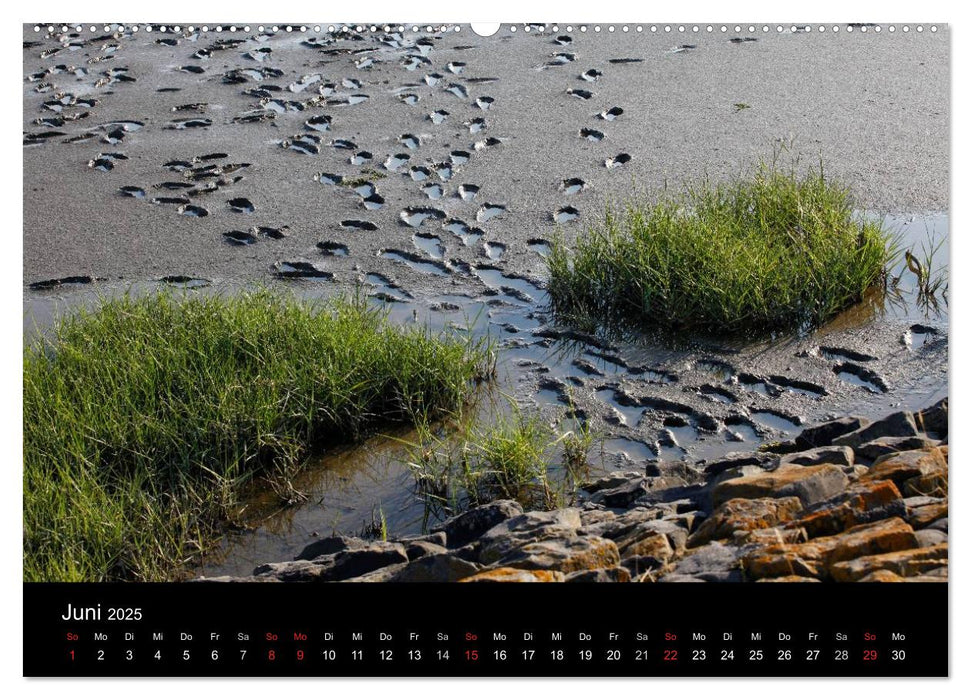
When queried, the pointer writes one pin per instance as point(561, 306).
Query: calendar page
point(329, 326)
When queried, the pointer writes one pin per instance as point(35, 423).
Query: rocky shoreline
point(848, 500)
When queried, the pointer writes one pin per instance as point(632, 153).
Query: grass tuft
point(774, 250)
point(145, 418)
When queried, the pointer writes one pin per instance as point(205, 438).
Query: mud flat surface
point(434, 168)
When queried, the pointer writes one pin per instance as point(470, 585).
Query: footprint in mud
point(349, 100)
point(300, 270)
point(351, 83)
point(416, 216)
point(194, 123)
point(177, 201)
point(799, 386)
point(489, 211)
point(579, 94)
point(484, 102)
point(618, 160)
point(561, 59)
point(304, 82)
point(776, 420)
point(563, 40)
point(409, 141)
point(433, 190)
point(308, 144)
point(625, 410)
point(414, 261)
point(55, 283)
point(360, 158)
point(358, 225)
point(457, 90)
point(742, 39)
point(411, 63)
point(611, 114)
point(476, 125)
point(342, 144)
point(918, 335)
point(564, 215)
point(320, 122)
point(840, 354)
point(459, 157)
point(185, 281)
point(592, 134)
point(276, 234)
point(718, 369)
point(191, 69)
point(240, 237)
point(333, 248)
point(106, 161)
point(622, 61)
point(861, 376)
point(393, 162)
point(591, 75)
point(193, 210)
point(679, 432)
point(512, 286)
point(683, 48)
point(455, 67)
point(241, 205)
point(741, 429)
point(132, 191)
point(540, 246)
point(372, 202)
point(329, 179)
point(493, 250)
point(468, 192)
point(444, 171)
point(429, 244)
point(466, 233)
point(438, 116)
point(486, 143)
point(386, 289)
point(433, 79)
point(717, 394)
point(281, 106)
point(409, 98)
point(419, 173)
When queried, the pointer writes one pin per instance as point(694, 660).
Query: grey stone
point(616, 574)
point(293, 571)
point(436, 568)
point(873, 450)
point(612, 481)
point(841, 456)
point(473, 523)
point(735, 460)
point(899, 424)
point(564, 554)
point(939, 524)
point(825, 433)
point(382, 575)
point(929, 537)
point(680, 578)
point(933, 420)
point(418, 549)
point(524, 529)
point(356, 562)
point(622, 496)
point(713, 557)
point(330, 545)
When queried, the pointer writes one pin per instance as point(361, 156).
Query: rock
point(939, 524)
point(861, 503)
point(564, 554)
point(616, 574)
point(535, 526)
point(680, 578)
point(710, 563)
point(382, 575)
point(925, 516)
point(436, 568)
point(916, 472)
point(900, 424)
point(816, 557)
point(808, 484)
point(620, 525)
point(768, 536)
point(873, 450)
point(826, 433)
point(696, 496)
point(842, 456)
point(933, 420)
point(509, 575)
point(734, 460)
point(330, 545)
point(673, 468)
point(642, 539)
point(624, 495)
point(472, 524)
point(790, 579)
point(745, 514)
point(612, 481)
point(929, 537)
point(356, 562)
point(654, 545)
point(639, 564)
point(905, 563)
point(417, 549)
point(292, 571)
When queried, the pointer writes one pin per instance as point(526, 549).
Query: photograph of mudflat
point(394, 305)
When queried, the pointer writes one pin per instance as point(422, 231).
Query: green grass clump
point(773, 250)
point(516, 456)
point(145, 418)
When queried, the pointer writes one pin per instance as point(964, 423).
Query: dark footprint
point(459, 157)
point(438, 116)
point(416, 216)
point(432, 79)
point(468, 192)
point(372, 202)
point(358, 225)
point(484, 102)
point(333, 248)
point(300, 270)
point(455, 67)
point(476, 125)
point(565, 215)
point(591, 75)
point(444, 171)
point(683, 48)
point(429, 244)
point(308, 144)
point(833, 353)
point(132, 191)
point(409, 141)
point(486, 143)
point(349, 100)
point(329, 179)
point(177, 201)
point(489, 211)
point(799, 386)
point(321, 122)
point(621, 61)
point(240, 237)
point(409, 98)
point(493, 250)
point(241, 205)
point(433, 190)
point(343, 144)
point(592, 134)
point(579, 94)
point(457, 90)
point(193, 210)
point(742, 39)
point(561, 59)
point(360, 158)
point(270, 232)
point(573, 185)
point(54, 283)
point(539, 245)
point(861, 376)
point(563, 40)
point(185, 282)
point(106, 161)
point(415, 261)
point(610, 114)
point(466, 233)
point(393, 162)
point(618, 160)
point(419, 173)
point(181, 124)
